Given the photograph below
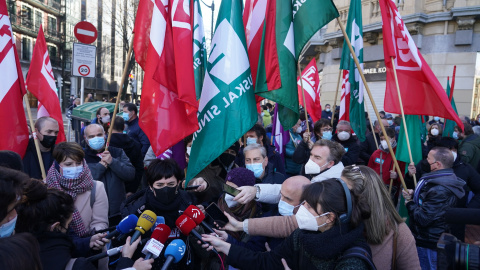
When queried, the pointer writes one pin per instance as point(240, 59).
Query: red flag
point(344, 113)
point(14, 135)
point(421, 91)
point(168, 111)
point(311, 85)
point(41, 83)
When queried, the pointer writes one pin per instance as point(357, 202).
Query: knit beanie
point(241, 177)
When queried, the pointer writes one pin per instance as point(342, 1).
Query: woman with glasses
point(330, 223)
point(321, 130)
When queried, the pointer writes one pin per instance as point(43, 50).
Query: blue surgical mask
point(72, 172)
point(327, 135)
point(96, 143)
point(286, 209)
point(7, 229)
point(455, 135)
point(256, 168)
point(390, 122)
point(436, 118)
point(125, 116)
point(251, 141)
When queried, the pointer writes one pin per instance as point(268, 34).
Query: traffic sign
point(85, 32)
point(83, 62)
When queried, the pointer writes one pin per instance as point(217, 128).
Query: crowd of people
point(328, 201)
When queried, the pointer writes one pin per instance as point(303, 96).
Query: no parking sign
point(83, 62)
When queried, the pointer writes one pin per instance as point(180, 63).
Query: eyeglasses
point(356, 169)
point(326, 129)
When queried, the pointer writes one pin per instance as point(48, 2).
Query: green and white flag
point(227, 108)
point(357, 89)
point(308, 17)
point(199, 48)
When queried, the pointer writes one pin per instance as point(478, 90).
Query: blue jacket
point(136, 133)
point(291, 167)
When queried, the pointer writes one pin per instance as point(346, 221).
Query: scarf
point(168, 211)
point(72, 187)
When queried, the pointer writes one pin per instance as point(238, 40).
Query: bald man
point(291, 194)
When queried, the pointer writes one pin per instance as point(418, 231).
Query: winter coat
point(469, 150)
point(302, 153)
point(327, 115)
point(95, 218)
point(136, 133)
point(352, 150)
point(291, 167)
point(382, 163)
point(31, 166)
point(113, 177)
point(133, 151)
point(368, 146)
point(436, 192)
point(271, 176)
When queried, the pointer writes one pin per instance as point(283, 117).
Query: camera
point(453, 254)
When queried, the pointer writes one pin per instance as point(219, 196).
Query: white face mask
point(189, 149)
point(298, 130)
point(454, 155)
point(343, 136)
point(106, 119)
point(307, 221)
point(434, 131)
point(313, 168)
point(384, 144)
point(72, 172)
point(229, 200)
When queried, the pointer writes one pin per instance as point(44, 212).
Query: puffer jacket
point(435, 193)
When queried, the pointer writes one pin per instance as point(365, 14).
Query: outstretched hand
point(233, 225)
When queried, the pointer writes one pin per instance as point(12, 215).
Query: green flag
point(357, 89)
point(414, 127)
point(199, 51)
point(227, 108)
point(449, 124)
point(286, 96)
point(308, 17)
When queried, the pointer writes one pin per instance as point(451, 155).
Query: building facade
point(447, 33)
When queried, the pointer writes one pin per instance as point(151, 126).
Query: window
point(38, 19)
point(52, 26)
point(52, 52)
point(26, 48)
point(26, 15)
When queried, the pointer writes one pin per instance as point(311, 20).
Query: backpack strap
point(92, 194)
point(359, 252)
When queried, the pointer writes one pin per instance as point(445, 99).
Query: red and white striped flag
point(311, 87)
point(41, 83)
point(253, 20)
point(345, 97)
point(14, 135)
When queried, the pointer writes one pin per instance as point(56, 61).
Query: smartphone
point(216, 214)
point(191, 187)
point(230, 190)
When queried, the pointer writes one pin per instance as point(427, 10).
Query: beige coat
point(96, 218)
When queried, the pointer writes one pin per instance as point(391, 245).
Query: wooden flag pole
point(403, 119)
point(371, 125)
point(122, 81)
point(352, 52)
point(303, 94)
point(35, 139)
point(336, 94)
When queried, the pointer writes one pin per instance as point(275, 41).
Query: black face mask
point(48, 141)
point(165, 195)
point(226, 159)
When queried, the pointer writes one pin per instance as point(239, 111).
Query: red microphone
point(186, 225)
point(154, 246)
point(197, 215)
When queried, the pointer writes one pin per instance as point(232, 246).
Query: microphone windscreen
point(127, 224)
point(161, 233)
point(160, 220)
point(195, 213)
point(185, 224)
point(176, 248)
point(146, 221)
point(463, 216)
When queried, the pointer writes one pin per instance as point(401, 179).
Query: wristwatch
point(257, 195)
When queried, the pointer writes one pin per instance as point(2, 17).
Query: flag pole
point(122, 81)
point(35, 139)
point(352, 52)
point(403, 118)
point(303, 93)
point(336, 94)
point(371, 125)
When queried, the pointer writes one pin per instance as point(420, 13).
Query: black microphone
point(462, 216)
point(111, 252)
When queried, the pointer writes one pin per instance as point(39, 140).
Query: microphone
point(144, 223)
point(197, 215)
point(110, 252)
point(186, 225)
point(154, 246)
point(462, 216)
point(125, 226)
point(160, 220)
point(174, 252)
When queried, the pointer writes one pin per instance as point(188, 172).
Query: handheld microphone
point(125, 226)
point(186, 225)
point(160, 220)
point(110, 252)
point(154, 246)
point(197, 215)
point(145, 223)
point(174, 252)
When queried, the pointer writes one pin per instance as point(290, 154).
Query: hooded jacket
point(435, 193)
point(133, 151)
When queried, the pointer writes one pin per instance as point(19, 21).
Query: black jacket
point(352, 150)
point(302, 153)
point(306, 250)
point(368, 147)
point(133, 151)
point(31, 166)
point(136, 133)
point(271, 176)
point(273, 157)
point(435, 193)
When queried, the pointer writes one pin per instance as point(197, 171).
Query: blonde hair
point(384, 217)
